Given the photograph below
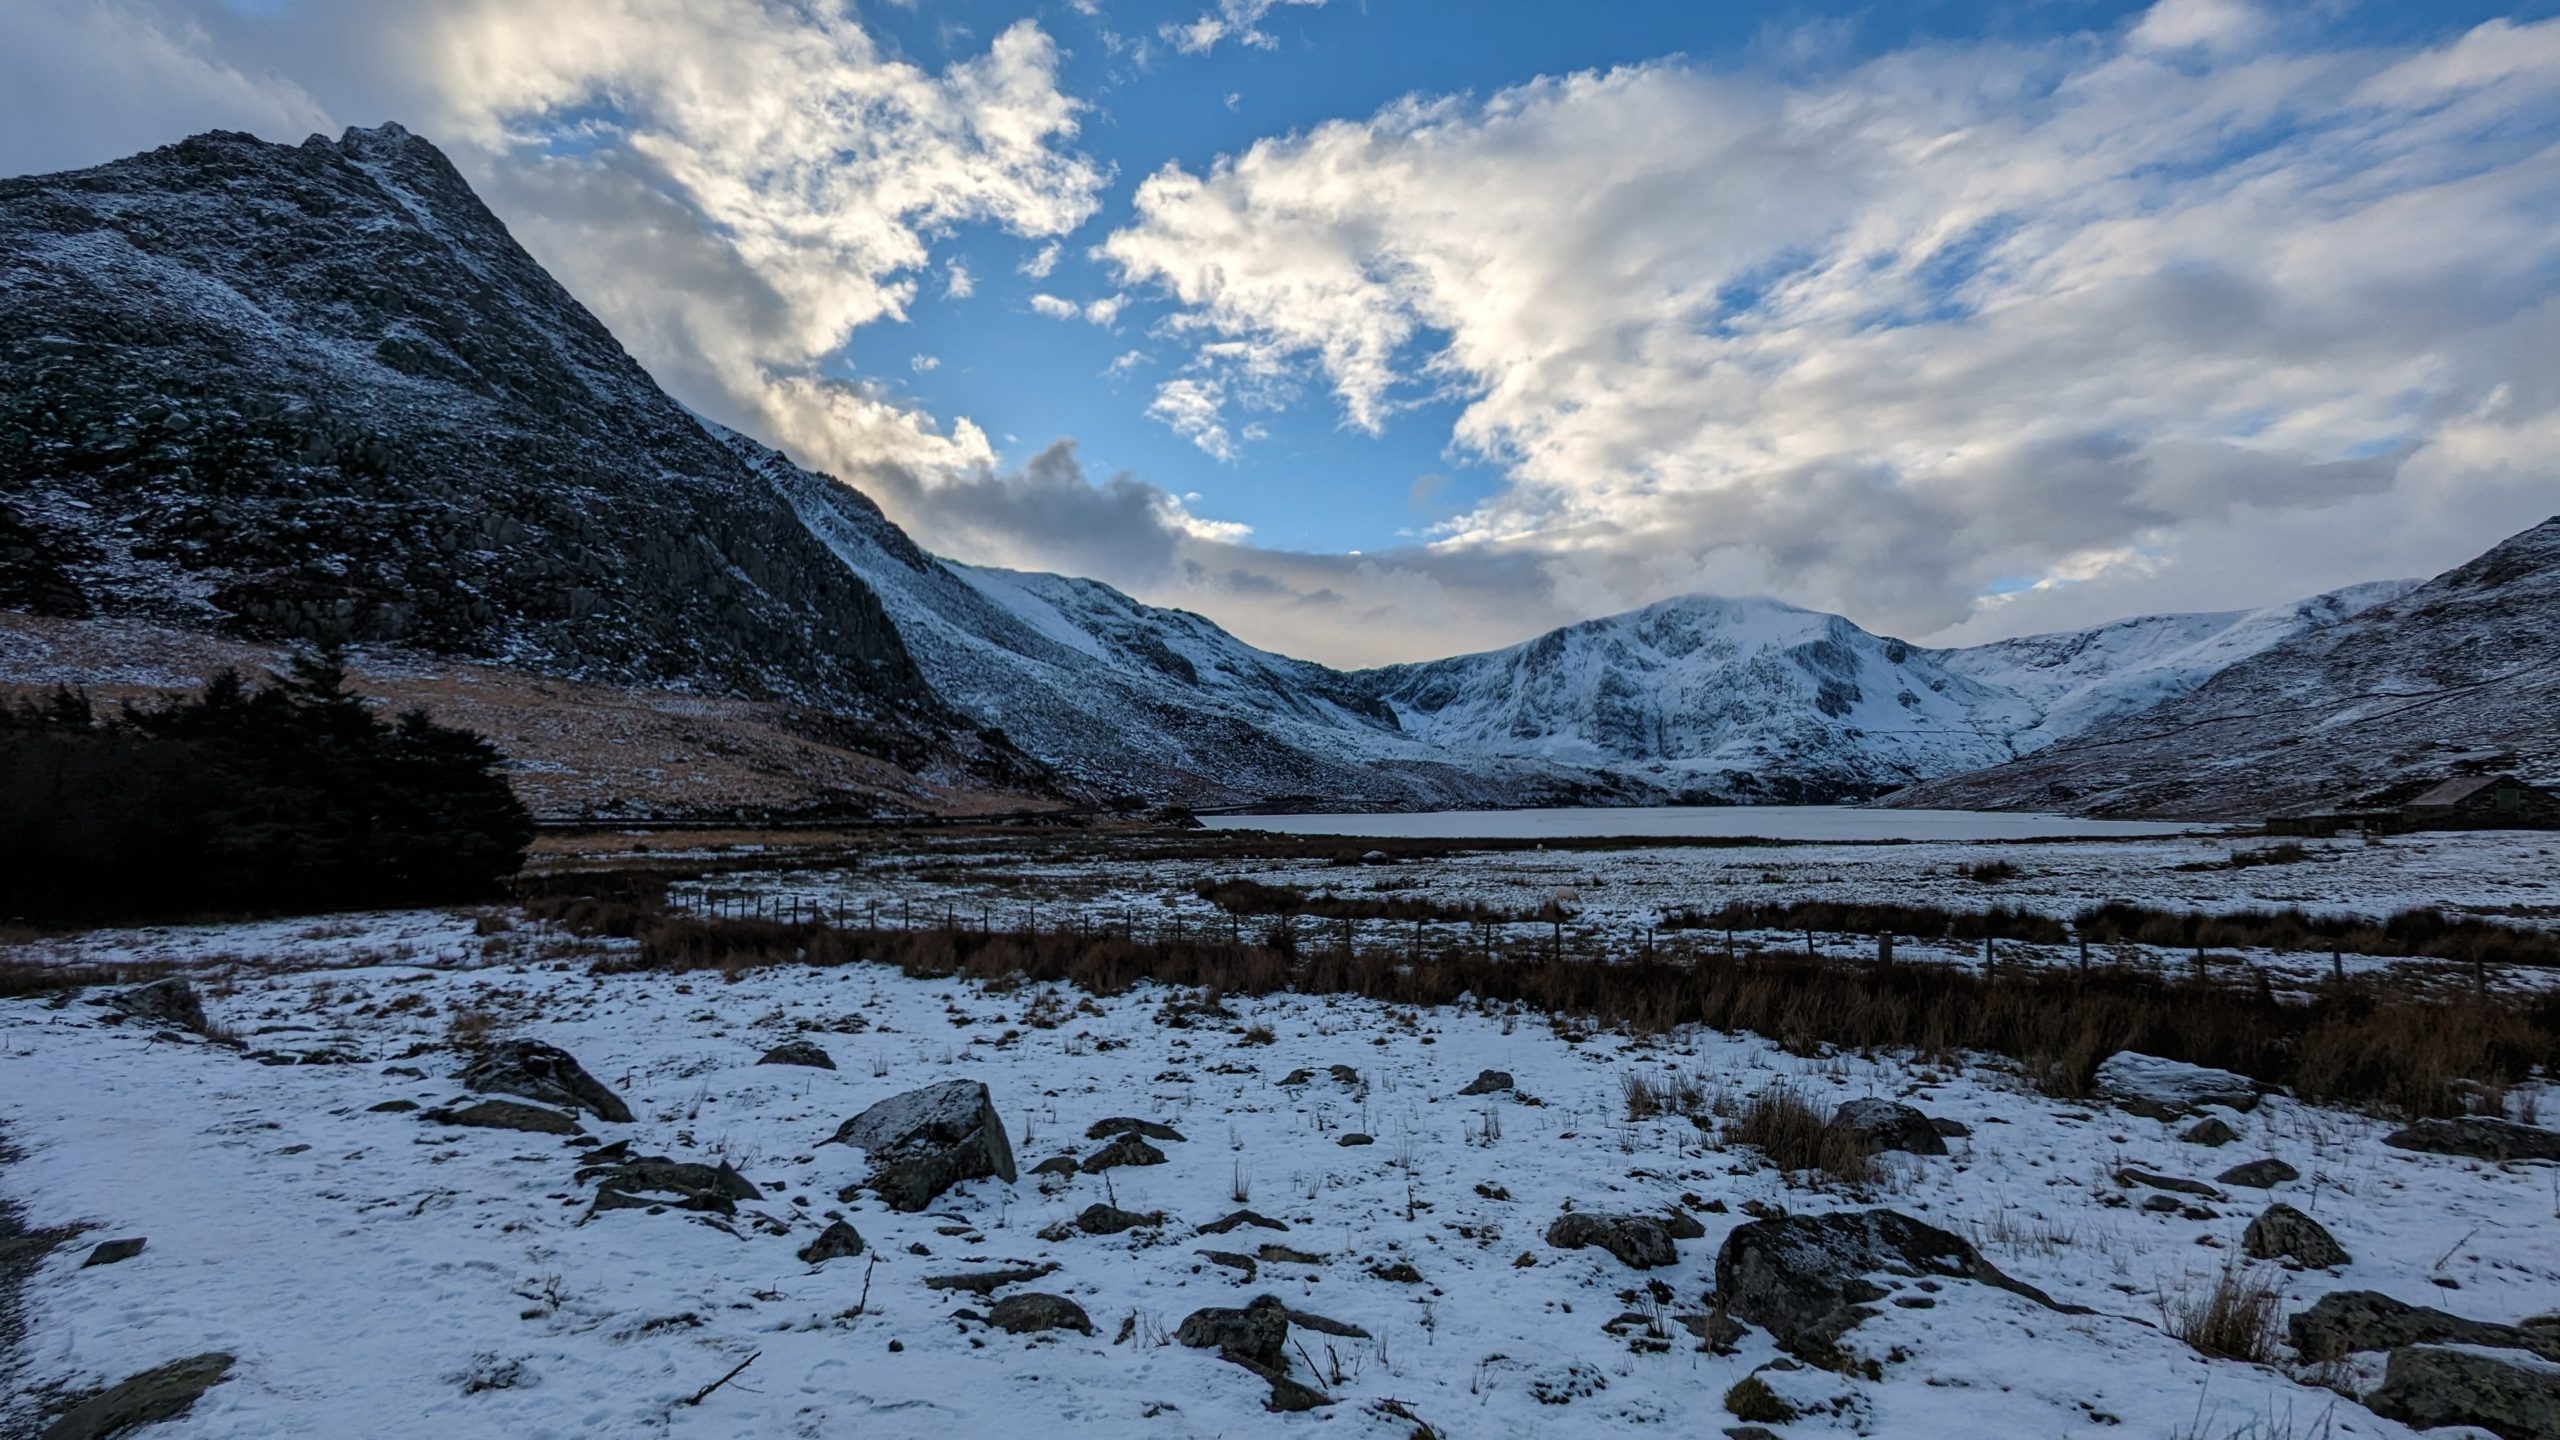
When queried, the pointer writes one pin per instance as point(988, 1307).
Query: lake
point(1772, 822)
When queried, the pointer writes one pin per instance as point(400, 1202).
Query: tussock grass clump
point(1782, 1124)
point(20, 978)
point(1751, 1399)
point(2234, 1319)
point(2422, 933)
point(1832, 917)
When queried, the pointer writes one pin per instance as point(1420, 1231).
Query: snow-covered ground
point(1766, 822)
point(380, 1275)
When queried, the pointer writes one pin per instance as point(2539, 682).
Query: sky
point(1379, 330)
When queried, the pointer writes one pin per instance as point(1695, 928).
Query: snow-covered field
point(1769, 822)
point(380, 1275)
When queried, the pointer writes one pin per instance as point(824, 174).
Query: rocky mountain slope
point(318, 393)
point(2460, 673)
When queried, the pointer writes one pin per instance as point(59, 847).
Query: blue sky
point(1425, 327)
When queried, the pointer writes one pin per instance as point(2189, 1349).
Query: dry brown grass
point(2234, 1319)
point(1798, 1138)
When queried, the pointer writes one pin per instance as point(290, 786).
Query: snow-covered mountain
point(1714, 699)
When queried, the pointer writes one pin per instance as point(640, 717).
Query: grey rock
point(2211, 1130)
point(1241, 1217)
point(2167, 1089)
point(1343, 1073)
point(546, 1073)
point(1307, 1320)
point(1803, 1278)
point(393, 1107)
point(1288, 1395)
point(839, 1241)
point(1487, 1082)
point(170, 1001)
point(1032, 1310)
point(1233, 1261)
point(1056, 1165)
point(987, 1282)
point(2479, 1137)
point(925, 1141)
point(1354, 1137)
point(799, 1052)
point(505, 1115)
point(2428, 1386)
point(1949, 1129)
point(2284, 1233)
point(115, 1252)
point(1641, 1242)
point(1258, 1332)
point(1099, 1219)
point(703, 1187)
point(1889, 1125)
point(2259, 1174)
point(163, 1392)
point(2345, 1322)
point(2131, 1177)
point(1127, 1150)
point(1119, 1125)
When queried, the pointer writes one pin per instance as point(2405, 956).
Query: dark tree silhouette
point(287, 795)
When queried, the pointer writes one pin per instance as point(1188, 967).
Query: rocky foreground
point(515, 1197)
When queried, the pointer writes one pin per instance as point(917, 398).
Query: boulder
point(1803, 1278)
point(925, 1141)
point(163, 1002)
point(1259, 1332)
point(1640, 1242)
point(2345, 1322)
point(546, 1073)
point(2166, 1089)
point(163, 1392)
point(1127, 1150)
point(1354, 1137)
point(2284, 1233)
point(839, 1241)
point(2478, 1137)
point(506, 1115)
point(1032, 1310)
point(2259, 1174)
point(1889, 1125)
point(1100, 1219)
point(1119, 1125)
point(2510, 1394)
point(1487, 1082)
point(799, 1052)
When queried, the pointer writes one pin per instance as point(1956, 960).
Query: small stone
point(799, 1052)
point(1241, 1217)
point(2259, 1174)
point(1032, 1311)
point(1127, 1150)
point(2284, 1233)
point(506, 1115)
point(2211, 1130)
point(393, 1107)
point(1487, 1082)
point(1354, 1137)
point(1119, 1125)
point(839, 1241)
point(1100, 1219)
point(112, 1252)
point(1639, 1241)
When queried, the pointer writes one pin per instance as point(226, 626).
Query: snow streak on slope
point(2078, 679)
point(2461, 673)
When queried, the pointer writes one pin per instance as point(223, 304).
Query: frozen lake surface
point(1771, 822)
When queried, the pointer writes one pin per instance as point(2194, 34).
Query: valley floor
point(379, 1274)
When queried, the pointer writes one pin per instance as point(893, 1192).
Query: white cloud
point(1041, 261)
point(1237, 20)
point(957, 282)
point(89, 82)
point(1055, 308)
point(1886, 339)
point(924, 364)
point(1195, 410)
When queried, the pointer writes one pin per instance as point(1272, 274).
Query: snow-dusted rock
point(2508, 1393)
point(925, 1141)
point(2163, 1089)
point(839, 1241)
point(1889, 1125)
point(1804, 1278)
point(163, 1392)
point(2284, 1233)
point(167, 1002)
point(546, 1073)
point(799, 1052)
point(2346, 1322)
point(2479, 1137)
point(1641, 1242)
point(1032, 1311)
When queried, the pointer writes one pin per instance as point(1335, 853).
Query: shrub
point(1751, 1399)
point(2234, 1320)
point(292, 795)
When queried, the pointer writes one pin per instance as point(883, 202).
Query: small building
point(2482, 802)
